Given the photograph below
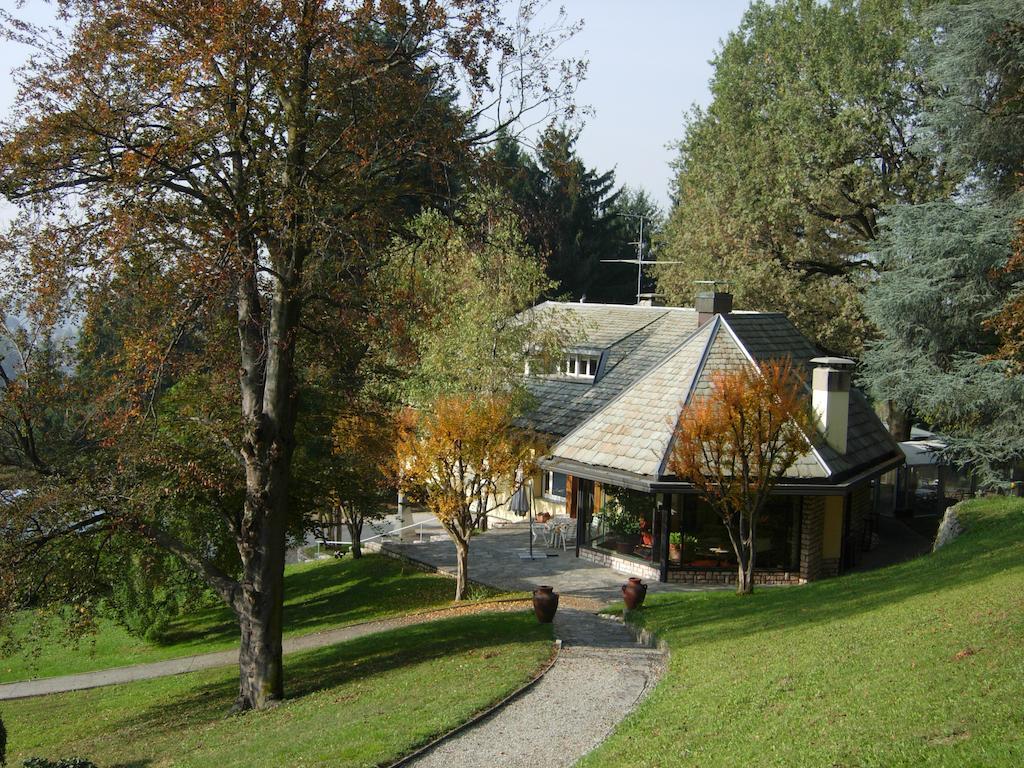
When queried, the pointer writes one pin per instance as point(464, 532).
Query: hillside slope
point(917, 664)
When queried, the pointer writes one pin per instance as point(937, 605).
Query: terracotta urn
point(633, 593)
point(545, 603)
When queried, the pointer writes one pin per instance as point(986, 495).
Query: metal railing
point(382, 536)
point(393, 531)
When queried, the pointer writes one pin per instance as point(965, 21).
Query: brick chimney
point(711, 303)
point(831, 398)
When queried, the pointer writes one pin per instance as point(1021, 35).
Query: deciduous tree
point(457, 458)
point(736, 442)
point(465, 333)
point(348, 466)
point(226, 157)
point(808, 140)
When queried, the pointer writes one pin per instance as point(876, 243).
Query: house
point(609, 413)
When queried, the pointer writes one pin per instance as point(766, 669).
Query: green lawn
point(920, 664)
point(359, 703)
point(328, 593)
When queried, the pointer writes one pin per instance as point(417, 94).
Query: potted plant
point(676, 542)
point(624, 526)
point(675, 546)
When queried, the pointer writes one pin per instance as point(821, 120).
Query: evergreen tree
point(571, 214)
point(944, 301)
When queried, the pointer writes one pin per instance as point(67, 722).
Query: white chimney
point(831, 399)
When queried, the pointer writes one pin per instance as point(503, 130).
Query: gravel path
point(117, 675)
point(600, 675)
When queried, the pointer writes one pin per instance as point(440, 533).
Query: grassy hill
point(919, 664)
point(359, 703)
point(318, 596)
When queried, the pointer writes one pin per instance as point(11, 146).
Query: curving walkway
point(599, 677)
point(182, 665)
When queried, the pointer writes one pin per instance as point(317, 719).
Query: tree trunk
point(899, 421)
point(355, 532)
point(462, 569)
point(745, 573)
point(259, 608)
point(269, 407)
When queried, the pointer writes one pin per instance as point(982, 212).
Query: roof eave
point(651, 484)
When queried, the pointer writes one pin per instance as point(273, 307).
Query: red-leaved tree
point(737, 441)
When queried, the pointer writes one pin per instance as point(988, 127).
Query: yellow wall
point(832, 542)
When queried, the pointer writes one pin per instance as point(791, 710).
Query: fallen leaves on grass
point(968, 651)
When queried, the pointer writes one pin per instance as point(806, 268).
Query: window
point(703, 541)
point(581, 366)
point(554, 485)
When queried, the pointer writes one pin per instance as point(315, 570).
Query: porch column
point(665, 515)
point(571, 501)
point(812, 534)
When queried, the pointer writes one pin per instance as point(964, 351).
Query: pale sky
point(648, 64)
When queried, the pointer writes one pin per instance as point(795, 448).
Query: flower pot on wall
point(545, 603)
point(633, 593)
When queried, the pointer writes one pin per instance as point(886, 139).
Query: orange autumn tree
point(455, 460)
point(736, 442)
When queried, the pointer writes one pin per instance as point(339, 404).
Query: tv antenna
point(639, 260)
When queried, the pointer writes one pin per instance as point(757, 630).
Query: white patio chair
point(568, 533)
point(540, 532)
point(552, 531)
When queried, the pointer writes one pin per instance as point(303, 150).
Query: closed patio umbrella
point(520, 505)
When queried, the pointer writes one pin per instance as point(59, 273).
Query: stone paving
point(600, 675)
point(494, 560)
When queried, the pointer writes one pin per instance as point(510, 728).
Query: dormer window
point(581, 366)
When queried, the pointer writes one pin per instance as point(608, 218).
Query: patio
point(494, 560)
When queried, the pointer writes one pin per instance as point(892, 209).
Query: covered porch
point(664, 531)
point(494, 560)
point(676, 537)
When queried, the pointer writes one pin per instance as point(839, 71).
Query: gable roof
point(655, 361)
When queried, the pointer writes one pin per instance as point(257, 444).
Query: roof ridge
point(814, 449)
point(618, 306)
point(716, 323)
point(635, 331)
point(621, 395)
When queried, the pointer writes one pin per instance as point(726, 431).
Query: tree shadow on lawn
point(349, 592)
point(312, 671)
point(993, 544)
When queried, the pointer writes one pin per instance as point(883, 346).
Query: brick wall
point(631, 567)
point(729, 577)
point(812, 529)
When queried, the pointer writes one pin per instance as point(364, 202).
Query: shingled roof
point(654, 361)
